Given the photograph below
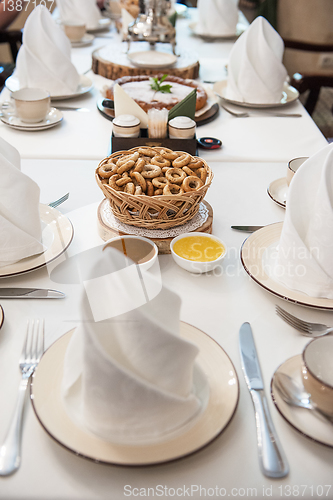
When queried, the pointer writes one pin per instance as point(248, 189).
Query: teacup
point(75, 31)
point(126, 126)
point(317, 372)
point(182, 127)
point(31, 105)
point(293, 166)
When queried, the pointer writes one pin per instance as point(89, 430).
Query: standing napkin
point(128, 376)
point(84, 11)
point(217, 17)
point(44, 59)
point(20, 227)
point(305, 253)
point(255, 70)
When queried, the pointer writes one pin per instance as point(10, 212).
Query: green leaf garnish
point(155, 84)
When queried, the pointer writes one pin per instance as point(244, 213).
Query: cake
point(139, 89)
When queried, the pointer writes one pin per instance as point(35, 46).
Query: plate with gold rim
point(254, 256)
point(57, 234)
point(289, 95)
point(220, 408)
point(304, 421)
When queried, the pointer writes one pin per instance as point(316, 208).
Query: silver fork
point(58, 202)
point(33, 348)
point(265, 113)
point(305, 327)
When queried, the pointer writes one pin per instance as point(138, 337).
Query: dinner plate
point(52, 119)
point(2, 316)
point(240, 28)
point(222, 403)
point(304, 421)
point(152, 59)
point(57, 234)
point(103, 24)
point(289, 95)
point(85, 85)
point(256, 257)
point(278, 190)
point(87, 39)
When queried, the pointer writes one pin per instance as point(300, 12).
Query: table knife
point(246, 229)
point(271, 456)
point(30, 293)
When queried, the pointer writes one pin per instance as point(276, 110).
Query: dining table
point(255, 152)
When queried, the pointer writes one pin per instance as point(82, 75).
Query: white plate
point(240, 28)
point(255, 257)
point(2, 316)
point(87, 39)
point(304, 421)
point(52, 119)
point(278, 191)
point(85, 85)
point(103, 24)
point(57, 236)
point(152, 59)
point(289, 95)
point(222, 403)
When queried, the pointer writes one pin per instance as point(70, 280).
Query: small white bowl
point(132, 243)
point(126, 126)
point(192, 266)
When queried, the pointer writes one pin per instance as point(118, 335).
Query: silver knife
point(246, 229)
point(271, 456)
point(30, 293)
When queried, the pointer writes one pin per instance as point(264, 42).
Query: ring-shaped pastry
point(125, 167)
point(147, 152)
point(150, 171)
point(202, 173)
point(141, 181)
point(168, 154)
point(113, 184)
point(160, 161)
point(192, 183)
point(107, 170)
point(150, 188)
point(195, 164)
point(129, 188)
point(182, 160)
point(172, 189)
point(157, 192)
point(175, 175)
point(160, 182)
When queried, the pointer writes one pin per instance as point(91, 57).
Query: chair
point(14, 39)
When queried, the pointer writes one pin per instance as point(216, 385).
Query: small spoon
point(293, 394)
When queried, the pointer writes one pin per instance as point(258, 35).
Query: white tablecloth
point(217, 304)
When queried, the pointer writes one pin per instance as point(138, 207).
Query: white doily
point(111, 221)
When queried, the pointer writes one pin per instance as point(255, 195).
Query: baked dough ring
point(168, 154)
point(175, 175)
point(157, 192)
point(150, 171)
point(107, 170)
point(147, 152)
point(150, 188)
point(160, 161)
point(125, 167)
point(172, 189)
point(202, 173)
point(141, 181)
point(192, 183)
point(195, 164)
point(129, 188)
point(181, 161)
point(160, 182)
point(113, 184)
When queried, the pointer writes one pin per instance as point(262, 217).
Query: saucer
point(222, 402)
point(2, 316)
point(103, 24)
point(152, 59)
point(278, 190)
point(304, 421)
point(87, 39)
point(52, 119)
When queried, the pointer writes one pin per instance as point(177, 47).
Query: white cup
point(31, 105)
point(126, 126)
point(75, 31)
point(182, 127)
point(293, 166)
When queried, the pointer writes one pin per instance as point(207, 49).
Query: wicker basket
point(153, 212)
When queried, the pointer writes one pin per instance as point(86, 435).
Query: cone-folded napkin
point(305, 252)
point(20, 226)
point(255, 70)
point(128, 375)
point(217, 17)
point(84, 11)
point(44, 59)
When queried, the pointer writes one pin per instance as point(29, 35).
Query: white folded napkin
point(305, 253)
point(217, 17)
point(20, 226)
point(128, 376)
point(44, 59)
point(255, 70)
point(85, 11)
point(125, 105)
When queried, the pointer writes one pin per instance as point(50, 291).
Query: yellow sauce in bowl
point(198, 248)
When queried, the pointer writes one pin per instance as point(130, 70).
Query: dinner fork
point(305, 327)
point(58, 202)
point(33, 348)
point(266, 113)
